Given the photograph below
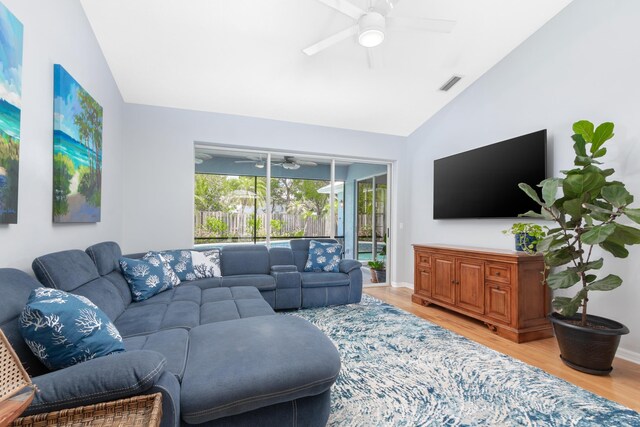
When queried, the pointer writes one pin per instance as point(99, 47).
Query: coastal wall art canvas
point(10, 103)
point(77, 151)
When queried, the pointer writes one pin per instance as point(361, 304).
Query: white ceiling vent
point(449, 84)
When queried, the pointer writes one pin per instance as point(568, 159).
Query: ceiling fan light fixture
point(371, 29)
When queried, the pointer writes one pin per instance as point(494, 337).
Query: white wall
point(159, 167)
point(58, 32)
point(582, 65)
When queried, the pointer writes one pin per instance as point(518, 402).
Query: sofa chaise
point(218, 354)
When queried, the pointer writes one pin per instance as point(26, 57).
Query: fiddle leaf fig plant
point(586, 205)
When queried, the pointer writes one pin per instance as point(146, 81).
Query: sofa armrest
point(284, 269)
point(286, 276)
point(169, 386)
point(98, 380)
point(348, 265)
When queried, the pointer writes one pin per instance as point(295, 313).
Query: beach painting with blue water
point(77, 151)
point(10, 103)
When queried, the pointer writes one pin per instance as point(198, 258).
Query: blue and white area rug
point(400, 370)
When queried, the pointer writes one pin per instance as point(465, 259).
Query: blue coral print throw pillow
point(146, 277)
point(64, 329)
point(324, 257)
point(180, 262)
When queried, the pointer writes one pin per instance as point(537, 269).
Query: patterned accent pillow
point(146, 277)
point(168, 271)
point(206, 264)
point(180, 262)
point(324, 257)
point(64, 329)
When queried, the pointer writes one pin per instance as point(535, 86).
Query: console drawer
point(423, 259)
point(498, 272)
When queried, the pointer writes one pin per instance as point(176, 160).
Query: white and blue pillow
point(180, 262)
point(324, 256)
point(206, 264)
point(148, 276)
point(64, 329)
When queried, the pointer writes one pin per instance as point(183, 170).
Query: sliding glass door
point(372, 220)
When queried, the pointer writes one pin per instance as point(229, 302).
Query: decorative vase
point(523, 240)
point(587, 349)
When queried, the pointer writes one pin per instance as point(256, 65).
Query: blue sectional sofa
point(213, 347)
point(278, 273)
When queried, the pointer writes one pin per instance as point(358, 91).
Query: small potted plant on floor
point(587, 206)
point(527, 235)
point(378, 271)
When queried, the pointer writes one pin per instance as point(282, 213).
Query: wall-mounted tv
point(483, 183)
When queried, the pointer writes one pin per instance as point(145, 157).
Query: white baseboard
point(402, 285)
point(629, 355)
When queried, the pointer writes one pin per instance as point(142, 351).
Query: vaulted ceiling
point(245, 57)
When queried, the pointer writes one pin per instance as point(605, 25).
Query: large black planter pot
point(588, 350)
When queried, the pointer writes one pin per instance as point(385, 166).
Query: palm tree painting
point(10, 105)
point(77, 151)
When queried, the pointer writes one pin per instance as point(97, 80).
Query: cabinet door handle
point(497, 273)
point(453, 282)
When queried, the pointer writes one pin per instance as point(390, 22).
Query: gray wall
point(58, 32)
point(159, 162)
point(581, 65)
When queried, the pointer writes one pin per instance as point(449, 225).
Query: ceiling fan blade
point(331, 40)
point(306, 163)
point(422, 24)
point(345, 7)
point(245, 161)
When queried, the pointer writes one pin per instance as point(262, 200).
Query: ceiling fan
point(372, 24)
point(289, 162)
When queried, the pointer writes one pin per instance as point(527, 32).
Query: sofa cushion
point(205, 264)
point(264, 282)
point(74, 271)
point(173, 344)
point(320, 280)
point(239, 366)
point(181, 293)
point(323, 256)
point(206, 283)
point(280, 256)
point(223, 304)
point(244, 259)
point(181, 311)
point(146, 277)
point(147, 318)
point(63, 329)
point(105, 256)
point(226, 293)
point(66, 270)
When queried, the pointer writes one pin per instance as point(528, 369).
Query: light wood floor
point(622, 385)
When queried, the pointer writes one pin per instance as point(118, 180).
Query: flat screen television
point(483, 183)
